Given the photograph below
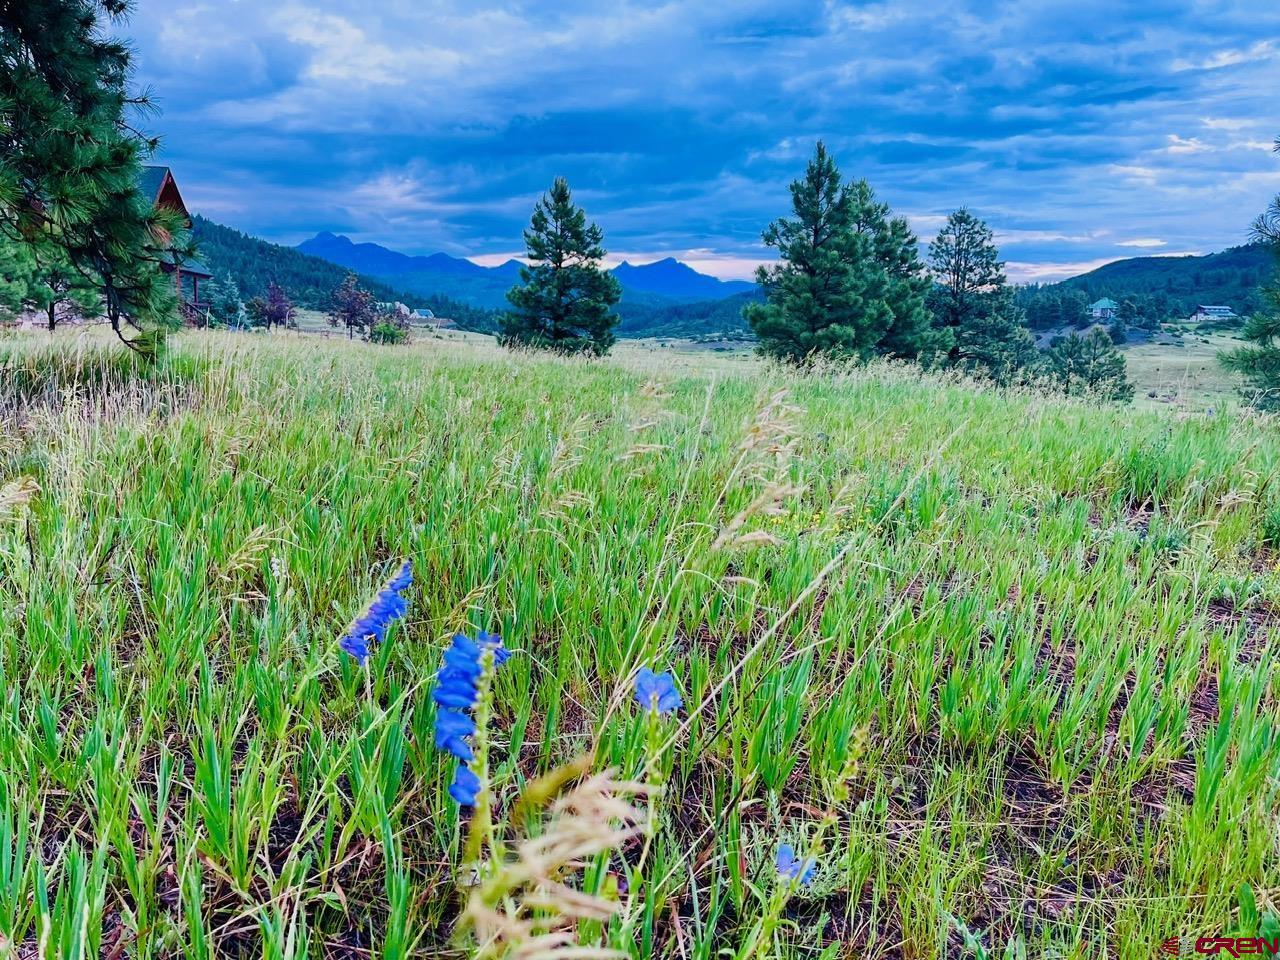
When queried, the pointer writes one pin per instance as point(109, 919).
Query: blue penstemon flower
point(657, 691)
point(386, 607)
point(791, 867)
point(462, 686)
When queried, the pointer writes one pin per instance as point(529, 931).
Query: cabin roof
point(1104, 304)
point(151, 180)
point(189, 266)
point(157, 184)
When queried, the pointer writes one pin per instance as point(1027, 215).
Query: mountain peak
point(487, 286)
point(674, 278)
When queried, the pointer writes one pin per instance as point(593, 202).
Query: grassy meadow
point(1000, 662)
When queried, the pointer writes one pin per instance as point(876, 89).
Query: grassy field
point(1000, 664)
point(1187, 375)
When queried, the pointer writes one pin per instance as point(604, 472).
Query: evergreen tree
point(1127, 315)
point(850, 283)
point(225, 306)
point(994, 342)
point(352, 307)
point(38, 278)
point(71, 159)
point(17, 270)
point(1088, 365)
point(967, 267)
point(895, 250)
point(1260, 360)
point(1074, 309)
point(565, 300)
point(973, 301)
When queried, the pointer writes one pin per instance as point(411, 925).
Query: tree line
point(849, 285)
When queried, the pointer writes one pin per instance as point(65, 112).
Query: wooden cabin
point(158, 184)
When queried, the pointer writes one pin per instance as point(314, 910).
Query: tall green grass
point(1038, 631)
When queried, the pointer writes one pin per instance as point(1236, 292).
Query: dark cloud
point(1082, 130)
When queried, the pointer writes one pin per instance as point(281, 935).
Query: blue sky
point(1082, 131)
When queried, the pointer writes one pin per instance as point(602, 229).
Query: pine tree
point(1089, 366)
point(565, 300)
point(17, 276)
point(71, 159)
point(896, 251)
point(225, 305)
point(973, 301)
point(967, 266)
point(1260, 361)
point(38, 278)
point(850, 283)
point(1127, 315)
point(994, 342)
point(1074, 310)
point(352, 307)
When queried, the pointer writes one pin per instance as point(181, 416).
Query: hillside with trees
point(1232, 278)
point(659, 317)
point(255, 264)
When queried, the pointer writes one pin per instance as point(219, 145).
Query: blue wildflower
point(792, 868)
point(465, 786)
point(492, 641)
point(657, 691)
point(387, 606)
point(452, 727)
point(456, 691)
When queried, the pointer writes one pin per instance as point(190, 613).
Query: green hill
point(657, 316)
point(1230, 278)
point(310, 281)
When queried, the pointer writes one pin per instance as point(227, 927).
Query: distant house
point(158, 184)
point(1103, 310)
point(423, 315)
point(396, 307)
point(1210, 312)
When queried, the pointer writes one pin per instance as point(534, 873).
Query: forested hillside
point(660, 317)
point(1231, 278)
point(309, 281)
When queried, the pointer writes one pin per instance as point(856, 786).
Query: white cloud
point(1179, 144)
point(1024, 272)
point(1262, 50)
point(1228, 123)
point(343, 52)
point(1016, 236)
point(1142, 242)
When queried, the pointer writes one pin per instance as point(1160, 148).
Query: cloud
point(1262, 50)
point(436, 125)
point(1143, 242)
point(1179, 144)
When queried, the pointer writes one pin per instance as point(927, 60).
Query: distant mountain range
point(662, 299)
point(253, 264)
point(487, 287)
